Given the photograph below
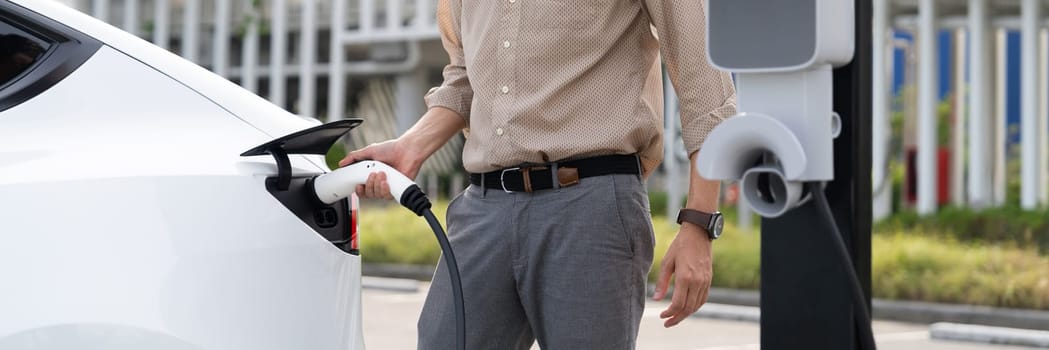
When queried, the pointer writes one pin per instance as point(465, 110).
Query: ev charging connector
point(782, 54)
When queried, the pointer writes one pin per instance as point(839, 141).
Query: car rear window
point(19, 51)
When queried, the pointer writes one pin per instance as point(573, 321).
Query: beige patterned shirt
point(548, 80)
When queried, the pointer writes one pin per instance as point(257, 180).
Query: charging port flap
point(315, 140)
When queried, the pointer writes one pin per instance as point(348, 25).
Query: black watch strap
point(695, 216)
point(702, 219)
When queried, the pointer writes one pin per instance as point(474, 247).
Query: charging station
point(803, 73)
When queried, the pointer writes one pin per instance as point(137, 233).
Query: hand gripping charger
point(342, 182)
point(339, 184)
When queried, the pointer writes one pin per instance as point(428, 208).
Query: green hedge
point(1009, 226)
point(912, 267)
point(925, 266)
point(392, 234)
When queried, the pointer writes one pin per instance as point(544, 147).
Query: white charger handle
point(341, 183)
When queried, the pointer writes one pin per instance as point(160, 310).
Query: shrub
point(912, 267)
point(392, 234)
point(1008, 226)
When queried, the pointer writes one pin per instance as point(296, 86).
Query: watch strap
point(696, 217)
point(702, 219)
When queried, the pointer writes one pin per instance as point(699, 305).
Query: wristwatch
point(712, 222)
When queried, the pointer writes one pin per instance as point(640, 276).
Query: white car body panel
point(242, 103)
point(128, 220)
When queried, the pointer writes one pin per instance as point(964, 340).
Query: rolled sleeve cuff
point(451, 98)
point(694, 132)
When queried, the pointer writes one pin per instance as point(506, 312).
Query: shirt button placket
point(505, 89)
point(506, 44)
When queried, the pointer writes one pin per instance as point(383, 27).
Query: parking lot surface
point(390, 317)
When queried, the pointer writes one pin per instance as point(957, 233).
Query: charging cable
point(415, 200)
point(861, 314)
point(340, 183)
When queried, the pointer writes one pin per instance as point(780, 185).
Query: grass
point(926, 266)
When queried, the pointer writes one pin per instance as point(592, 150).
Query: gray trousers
point(566, 267)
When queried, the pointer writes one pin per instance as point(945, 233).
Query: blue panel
point(946, 60)
point(1012, 84)
point(899, 60)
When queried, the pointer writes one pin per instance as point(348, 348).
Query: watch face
point(718, 225)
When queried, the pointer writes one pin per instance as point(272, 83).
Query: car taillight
point(355, 206)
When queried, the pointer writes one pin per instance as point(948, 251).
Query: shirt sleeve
point(455, 93)
point(707, 95)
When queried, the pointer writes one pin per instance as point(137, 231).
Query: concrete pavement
point(390, 317)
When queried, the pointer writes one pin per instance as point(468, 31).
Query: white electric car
point(129, 218)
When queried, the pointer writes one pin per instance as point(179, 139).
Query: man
point(561, 103)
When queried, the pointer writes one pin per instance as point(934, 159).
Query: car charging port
point(326, 217)
point(334, 222)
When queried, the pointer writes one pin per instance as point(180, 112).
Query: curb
point(734, 296)
point(917, 311)
point(729, 312)
point(415, 272)
point(923, 312)
point(907, 311)
point(989, 335)
point(390, 284)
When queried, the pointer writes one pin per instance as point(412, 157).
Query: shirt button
point(512, 1)
point(505, 89)
point(499, 131)
point(506, 44)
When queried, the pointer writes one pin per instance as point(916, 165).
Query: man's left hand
point(689, 260)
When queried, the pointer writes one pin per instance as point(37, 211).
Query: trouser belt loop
point(484, 189)
point(527, 177)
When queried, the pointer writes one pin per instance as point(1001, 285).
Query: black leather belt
point(567, 173)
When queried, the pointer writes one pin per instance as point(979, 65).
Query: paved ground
point(390, 318)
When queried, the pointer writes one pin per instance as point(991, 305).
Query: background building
point(961, 87)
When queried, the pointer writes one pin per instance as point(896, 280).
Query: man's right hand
point(391, 152)
point(407, 153)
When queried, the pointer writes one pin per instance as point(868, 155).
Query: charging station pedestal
point(803, 76)
point(805, 302)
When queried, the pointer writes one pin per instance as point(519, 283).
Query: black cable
point(453, 272)
point(415, 200)
point(861, 315)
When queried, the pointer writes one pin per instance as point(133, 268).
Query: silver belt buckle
point(502, 181)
